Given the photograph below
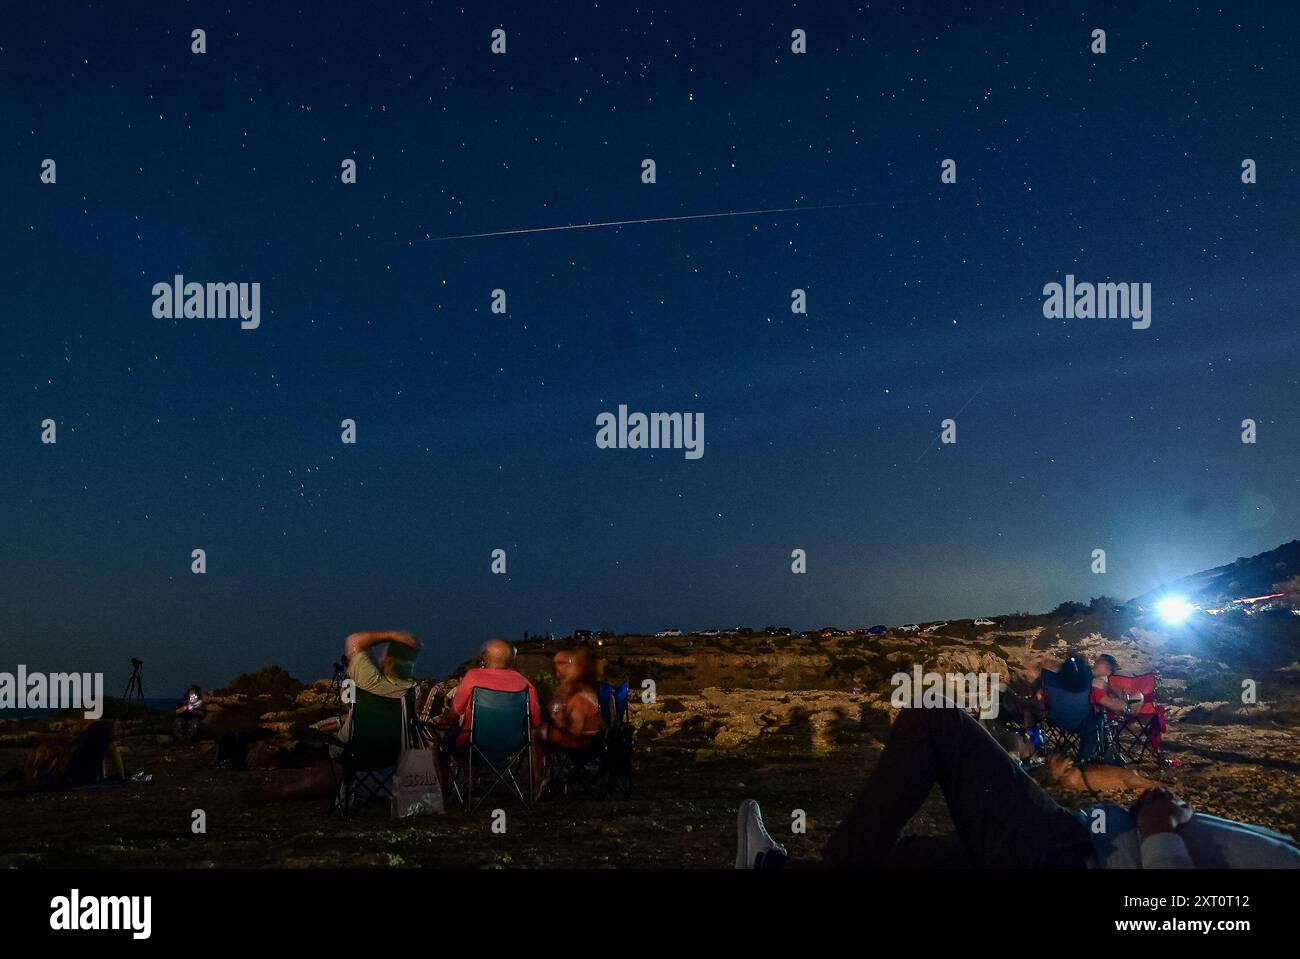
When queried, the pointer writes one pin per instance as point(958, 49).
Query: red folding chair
point(1139, 730)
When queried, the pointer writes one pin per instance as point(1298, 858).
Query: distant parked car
point(709, 632)
point(669, 632)
point(908, 628)
point(985, 622)
point(878, 631)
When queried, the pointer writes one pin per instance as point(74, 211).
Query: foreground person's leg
point(1002, 816)
point(755, 849)
point(314, 782)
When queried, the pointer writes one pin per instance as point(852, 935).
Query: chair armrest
point(328, 739)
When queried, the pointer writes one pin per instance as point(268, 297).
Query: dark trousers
point(1003, 818)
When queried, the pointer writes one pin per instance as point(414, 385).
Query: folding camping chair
point(1138, 732)
point(573, 769)
point(500, 737)
point(619, 738)
point(605, 763)
point(1074, 726)
point(365, 762)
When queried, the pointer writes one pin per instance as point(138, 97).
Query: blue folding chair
point(1073, 725)
point(500, 737)
point(619, 738)
point(613, 704)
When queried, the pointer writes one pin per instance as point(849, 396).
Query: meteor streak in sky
point(658, 219)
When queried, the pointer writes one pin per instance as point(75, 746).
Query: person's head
point(1106, 665)
point(575, 665)
point(195, 691)
point(497, 654)
point(1076, 674)
point(399, 661)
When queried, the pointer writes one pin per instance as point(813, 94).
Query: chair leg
point(456, 772)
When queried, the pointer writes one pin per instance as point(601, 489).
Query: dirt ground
point(681, 813)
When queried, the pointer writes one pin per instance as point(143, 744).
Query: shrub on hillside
point(269, 680)
point(1070, 609)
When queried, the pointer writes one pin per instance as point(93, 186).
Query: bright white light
point(1174, 609)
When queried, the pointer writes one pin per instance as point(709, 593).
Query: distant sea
point(163, 704)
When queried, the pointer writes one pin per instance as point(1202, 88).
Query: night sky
point(476, 431)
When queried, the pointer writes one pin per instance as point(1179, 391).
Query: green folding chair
point(366, 761)
point(500, 737)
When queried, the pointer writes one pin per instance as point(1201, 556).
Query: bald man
point(494, 673)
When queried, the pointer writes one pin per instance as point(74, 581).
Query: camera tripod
point(135, 688)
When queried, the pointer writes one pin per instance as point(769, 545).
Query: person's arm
point(534, 706)
point(364, 640)
point(116, 758)
point(460, 702)
point(1110, 701)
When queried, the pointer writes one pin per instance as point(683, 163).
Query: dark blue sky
point(477, 431)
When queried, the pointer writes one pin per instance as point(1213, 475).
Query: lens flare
point(1174, 609)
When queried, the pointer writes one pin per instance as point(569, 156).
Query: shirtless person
point(574, 720)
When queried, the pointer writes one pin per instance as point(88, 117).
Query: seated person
point(188, 715)
point(1136, 706)
point(494, 673)
point(1103, 694)
point(1005, 820)
point(390, 680)
point(574, 720)
point(1076, 675)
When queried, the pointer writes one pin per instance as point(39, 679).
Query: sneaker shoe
point(755, 849)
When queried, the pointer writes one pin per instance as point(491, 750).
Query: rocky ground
point(796, 722)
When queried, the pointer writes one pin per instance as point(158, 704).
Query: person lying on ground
point(91, 758)
point(1004, 819)
point(391, 680)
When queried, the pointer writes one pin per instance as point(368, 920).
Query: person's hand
point(1159, 810)
point(406, 639)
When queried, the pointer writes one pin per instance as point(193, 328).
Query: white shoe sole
point(742, 836)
